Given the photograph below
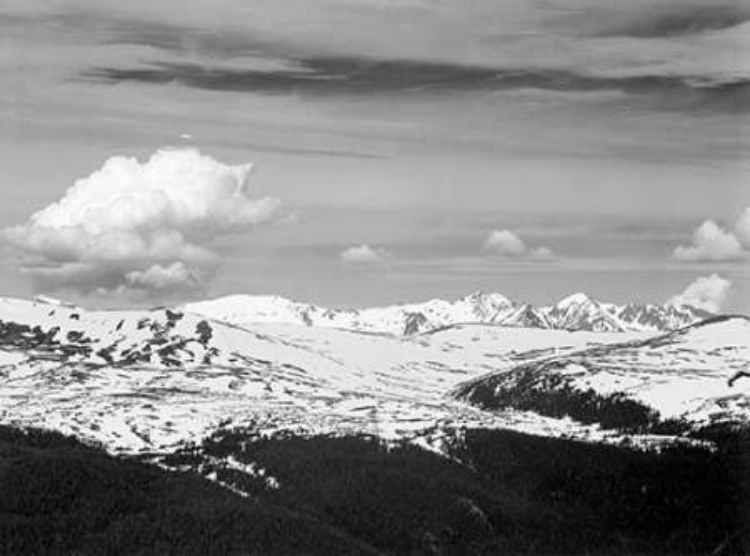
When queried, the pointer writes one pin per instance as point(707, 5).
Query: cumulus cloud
point(364, 254)
point(140, 226)
point(505, 243)
point(707, 292)
point(710, 242)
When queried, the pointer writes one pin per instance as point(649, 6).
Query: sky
point(366, 152)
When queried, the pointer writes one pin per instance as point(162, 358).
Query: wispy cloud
point(364, 76)
point(672, 20)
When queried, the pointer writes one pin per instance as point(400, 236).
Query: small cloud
point(186, 136)
point(707, 292)
point(176, 276)
point(504, 243)
point(710, 243)
point(541, 254)
point(364, 254)
point(138, 226)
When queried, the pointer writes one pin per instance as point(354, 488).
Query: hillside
point(500, 492)
point(691, 379)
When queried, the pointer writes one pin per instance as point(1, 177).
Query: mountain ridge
point(574, 312)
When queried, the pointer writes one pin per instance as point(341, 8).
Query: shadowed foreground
point(503, 492)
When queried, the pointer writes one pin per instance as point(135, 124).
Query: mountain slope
point(690, 379)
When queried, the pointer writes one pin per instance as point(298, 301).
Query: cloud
point(710, 243)
point(366, 76)
point(505, 243)
point(157, 277)
point(133, 226)
point(674, 20)
point(364, 254)
point(707, 292)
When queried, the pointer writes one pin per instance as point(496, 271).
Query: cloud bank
point(504, 243)
point(707, 292)
point(140, 227)
point(713, 243)
point(364, 254)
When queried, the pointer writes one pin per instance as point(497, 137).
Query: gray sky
point(606, 132)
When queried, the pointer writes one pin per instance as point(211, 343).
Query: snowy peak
point(254, 308)
point(659, 317)
point(575, 312)
point(574, 300)
point(525, 316)
point(579, 312)
point(486, 306)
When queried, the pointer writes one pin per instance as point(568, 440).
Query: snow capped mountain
point(575, 312)
point(579, 312)
point(658, 317)
point(397, 319)
point(525, 316)
point(154, 380)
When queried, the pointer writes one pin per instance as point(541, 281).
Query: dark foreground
point(505, 493)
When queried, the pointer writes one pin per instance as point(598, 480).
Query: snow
point(192, 376)
point(573, 300)
point(689, 375)
point(575, 312)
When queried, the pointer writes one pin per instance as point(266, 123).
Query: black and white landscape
point(238, 245)
point(258, 401)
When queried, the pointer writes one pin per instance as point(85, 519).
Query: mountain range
point(145, 381)
point(575, 312)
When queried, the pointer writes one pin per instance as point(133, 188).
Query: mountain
point(687, 380)
point(524, 316)
point(397, 319)
point(343, 435)
point(658, 317)
point(575, 312)
point(154, 380)
point(579, 312)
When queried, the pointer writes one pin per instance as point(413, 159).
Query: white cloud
point(505, 243)
point(707, 292)
point(140, 226)
point(541, 254)
point(710, 243)
point(174, 276)
point(364, 254)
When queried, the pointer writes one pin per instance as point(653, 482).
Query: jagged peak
point(578, 298)
point(482, 296)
